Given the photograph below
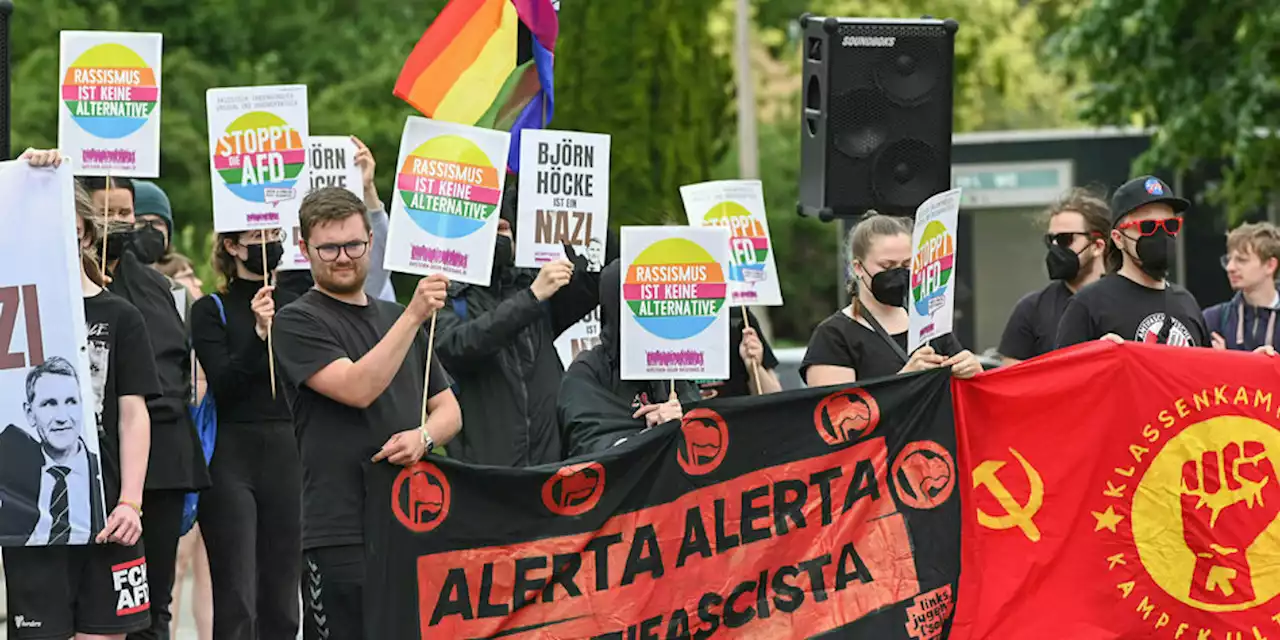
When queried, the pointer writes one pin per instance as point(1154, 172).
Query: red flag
point(1121, 491)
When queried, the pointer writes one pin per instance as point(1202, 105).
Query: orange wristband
point(132, 505)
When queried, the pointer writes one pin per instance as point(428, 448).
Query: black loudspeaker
point(876, 123)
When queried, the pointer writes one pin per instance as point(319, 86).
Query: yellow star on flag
point(1107, 519)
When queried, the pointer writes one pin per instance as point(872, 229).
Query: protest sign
point(47, 384)
point(444, 215)
point(675, 323)
point(1121, 491)
point(109, 118)
point(331, 162)
point(780, 516)
point(739, 206)
point(564, 196)
point(258, 149)
point(583, 335)
point(932, 306)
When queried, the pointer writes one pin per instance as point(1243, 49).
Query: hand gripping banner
point(784, 516)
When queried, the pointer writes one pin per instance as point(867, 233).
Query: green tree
point(1208, 76)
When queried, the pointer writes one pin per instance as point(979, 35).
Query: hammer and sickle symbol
point(1017, 515)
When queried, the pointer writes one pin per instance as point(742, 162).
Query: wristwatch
point(428, 442)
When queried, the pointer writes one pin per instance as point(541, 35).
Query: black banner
point(790, 515)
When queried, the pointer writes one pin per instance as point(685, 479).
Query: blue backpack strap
point(222, 311)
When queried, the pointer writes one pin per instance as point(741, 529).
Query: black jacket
point(497, 343)
point(595, 404)
point(176, 460)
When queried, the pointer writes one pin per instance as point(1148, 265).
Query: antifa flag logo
point(846, 416)
point(575, 489)
point(420, 497)
point(924, 475)
point(704, 438)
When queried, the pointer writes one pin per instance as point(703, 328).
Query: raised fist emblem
point(1229, 497)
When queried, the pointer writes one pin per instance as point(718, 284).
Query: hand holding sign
point(264, 309)
point(428, 297)
point(364, 160)
point(551, 278)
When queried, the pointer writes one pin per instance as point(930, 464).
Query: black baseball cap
point(1142, 191)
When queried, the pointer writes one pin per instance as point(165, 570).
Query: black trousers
point(161, 525)
point(252, 524)
point(333, 593)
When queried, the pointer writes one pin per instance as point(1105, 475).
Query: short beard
point(344, 289)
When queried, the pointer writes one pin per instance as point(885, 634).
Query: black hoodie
point(596, 404)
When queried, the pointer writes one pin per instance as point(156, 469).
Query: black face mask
point(148, 244)
point(503, 253)
point(889, 287)
point(275, 250)
point(117, 243)
point(1062, 263)
point(1154, 252)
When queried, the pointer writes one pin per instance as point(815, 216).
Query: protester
point(1079, 223)
point(498, 342)
point(70, 590)
point(153, 228)
point(192, 558)
point(1248, 320)
point(378, 283)
point(252, 516)
point(176, 464)
point(868, 338)
point(597, 409)
point(1135, 300)
point(354, 369)
point(754, 358)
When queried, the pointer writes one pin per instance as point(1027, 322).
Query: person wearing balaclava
point(597, 408)
point(1076, 242)
point(176, 463)
point(1136, 301)
point(153, 236)
point(251, 518)
point(498, 344)
point(868, 338)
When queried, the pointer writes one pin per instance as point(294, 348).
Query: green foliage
point(647, 74)
point(1207, 75)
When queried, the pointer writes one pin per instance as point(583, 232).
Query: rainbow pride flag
point(466, 67)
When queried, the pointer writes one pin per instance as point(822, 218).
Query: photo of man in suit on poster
point(50, 487)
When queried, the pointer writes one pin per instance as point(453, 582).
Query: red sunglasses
point(1148, 227)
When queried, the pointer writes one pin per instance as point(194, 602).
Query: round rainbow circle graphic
point(110, 91)
point(748, 243)
point(449, 187)
point(932, 266)
point(690, 289)
point(259, 152)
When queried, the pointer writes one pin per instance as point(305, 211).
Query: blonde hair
point(872, 225)
point(91, 235)
point(1260, 238)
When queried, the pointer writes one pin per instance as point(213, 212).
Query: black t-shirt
point(841, 341)
point(739, 382)
point(115, 327)
point(1033, 326)
point(1116, 304)
point(335, 439)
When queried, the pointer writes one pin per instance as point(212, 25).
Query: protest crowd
point(260, 420)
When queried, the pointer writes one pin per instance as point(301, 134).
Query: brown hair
point(171, 264)
point(92, 235)
point(1089, 204)
point(872, 225)
point(224, 264)
point(1260, 238)
point(330, 204)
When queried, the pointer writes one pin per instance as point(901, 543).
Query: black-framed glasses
point(1066, 238)
point(354, 250)
point(1148, 227)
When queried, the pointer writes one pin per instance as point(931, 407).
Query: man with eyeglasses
point(1248, 320)
point(1136, 302)
point(1076, 241)
point(176, 464)
point(353, 371)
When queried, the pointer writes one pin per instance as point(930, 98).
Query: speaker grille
point(906, 173)
point(859, 122)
